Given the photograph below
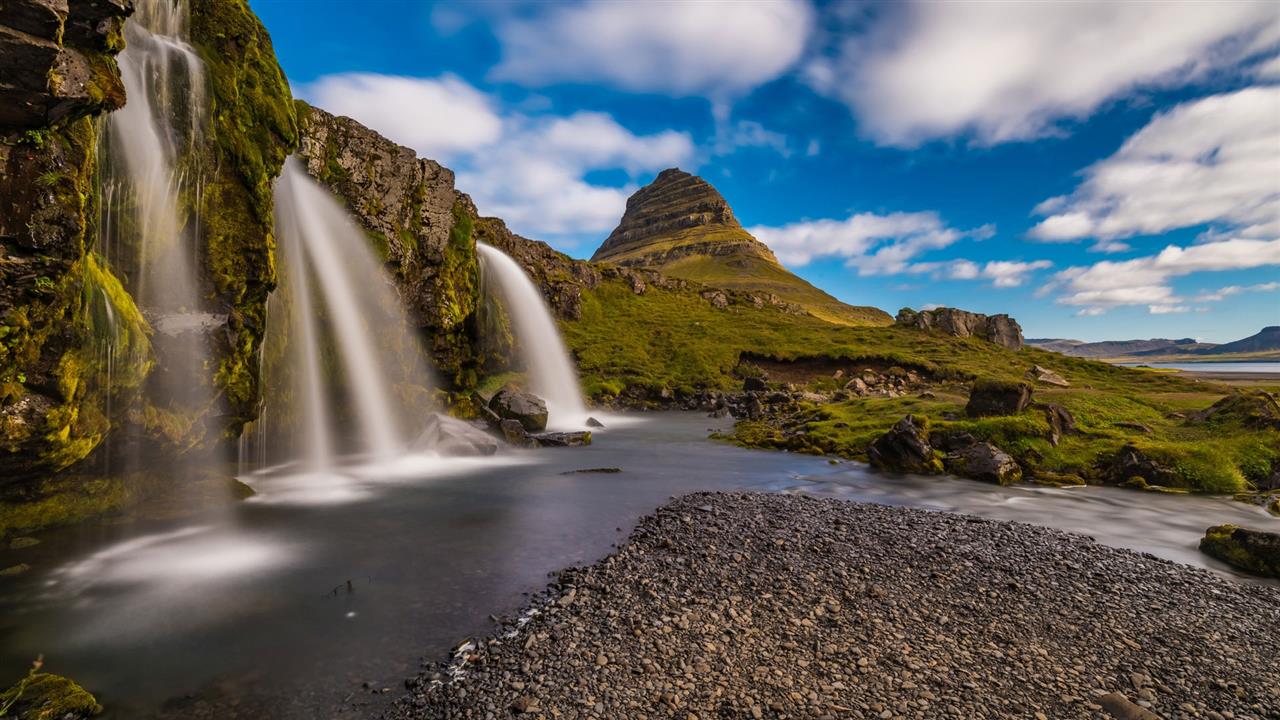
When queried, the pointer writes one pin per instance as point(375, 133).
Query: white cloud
point(1144, 280)
point(1011, 71)
point(528, 170)
point(748, 133)
point(1167, 309)
point(717, 49)
point(1232, 290)
point(437, 117)
point(1214, 160)
point(889, 245)
point(534, 177)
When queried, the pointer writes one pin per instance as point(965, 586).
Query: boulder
point(515, 434)
point(997, 397)
point(905, 448)
point(44, 695)
point(451, 436)
point(1130, 462)
point(754, 384)
point(562, 439)
point(1047, 376)
point(1253, 551)
point(984, 461)
point(592, 422)
point(1061, 422)
point(999, 329)
point(1256, 409)
point(951, 440)
point(527, 408)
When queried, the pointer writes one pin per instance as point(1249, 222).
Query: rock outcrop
point(683, 227)
point(525, 408)
point(905, 448)
point(999, 329)
point(983, 461)
point(997, 397)
point(1253, 551)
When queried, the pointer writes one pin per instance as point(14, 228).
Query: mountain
point(1268, 339)
point(1266, 342)
point(682, 226)
point(1114, 348)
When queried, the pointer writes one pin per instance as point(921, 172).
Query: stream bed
point(311, 598)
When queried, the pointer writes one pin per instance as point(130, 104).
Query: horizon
point(882, 153)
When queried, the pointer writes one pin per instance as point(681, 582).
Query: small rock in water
point(15, 570)
point(593, 470)
point(22, 542)
point(592, 422)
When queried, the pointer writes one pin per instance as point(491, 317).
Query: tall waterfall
point(542, 351)
point(150, 176)
point(352, 359)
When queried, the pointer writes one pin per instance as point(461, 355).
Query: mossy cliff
point(63, 316)
point(416, 221)
point(253, 128)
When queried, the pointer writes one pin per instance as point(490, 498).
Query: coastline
point(763, 605)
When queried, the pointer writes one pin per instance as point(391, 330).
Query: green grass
point(677, 340)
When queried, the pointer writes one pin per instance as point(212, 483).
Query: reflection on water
point(321, 583)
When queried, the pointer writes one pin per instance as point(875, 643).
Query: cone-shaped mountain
point(681, 225)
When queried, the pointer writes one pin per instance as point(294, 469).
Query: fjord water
point(542, 351)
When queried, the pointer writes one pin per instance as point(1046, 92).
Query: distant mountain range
point(1264, 345)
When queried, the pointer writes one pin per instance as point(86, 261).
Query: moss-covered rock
point(44, 696)
point(1253, 551)
point(253, 128)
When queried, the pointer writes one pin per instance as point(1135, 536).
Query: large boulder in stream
point(526, 408)
point(44, 695)
point(1253, 551)
point(451, 436)
point(905, 448)
point(983, 461)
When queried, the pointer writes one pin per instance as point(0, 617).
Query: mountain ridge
point(1266, 341)
point(681, 226)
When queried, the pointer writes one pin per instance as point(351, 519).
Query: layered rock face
point(59, 72)
point(683, 227)
point(420, 225)
point(999, 329)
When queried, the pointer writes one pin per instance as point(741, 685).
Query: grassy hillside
point(676, 340)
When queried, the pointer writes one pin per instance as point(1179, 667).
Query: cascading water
point(150, 177)
point(339, 319)
point(542, 351)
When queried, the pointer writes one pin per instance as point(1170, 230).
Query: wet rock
point(592, 422)
point(515, 434)
point(12, 570)
point(984, 461)
point(999, 329)
point(44, 696)
point(1047, 376)
point(1253, 551)
point(905, 448)
point(604, 470)
point(451, 436)
point(527, 408)
point(19, 543)
point(997, 397)
point(562, 439)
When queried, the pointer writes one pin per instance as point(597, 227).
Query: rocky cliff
point(683, 227)
point(999, 329)
point(74, 349)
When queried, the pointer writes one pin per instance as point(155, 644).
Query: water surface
point(286, 605)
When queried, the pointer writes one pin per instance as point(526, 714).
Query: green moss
point(1251, 551)
point(44, 696)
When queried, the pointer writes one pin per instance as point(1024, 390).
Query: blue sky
point(1096, 170)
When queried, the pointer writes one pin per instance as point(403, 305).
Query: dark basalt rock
point(999, 329)
point(1130, 463)
point(1253, 551)
point(997, 397)
point(754, 384)
point(984, 461)
point(577, 438)
point(526, 408)
point(1061, 421)
point(905, 448)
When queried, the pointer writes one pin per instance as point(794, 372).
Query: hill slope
point(680, 225)
point(1265, 344)
point(1267, 339)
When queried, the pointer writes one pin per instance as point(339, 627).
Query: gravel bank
point(781, 606)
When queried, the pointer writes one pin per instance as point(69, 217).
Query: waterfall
point(149, 178)
point(542, 351)
point(347, 335)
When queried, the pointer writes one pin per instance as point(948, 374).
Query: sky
point(1098, 170)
